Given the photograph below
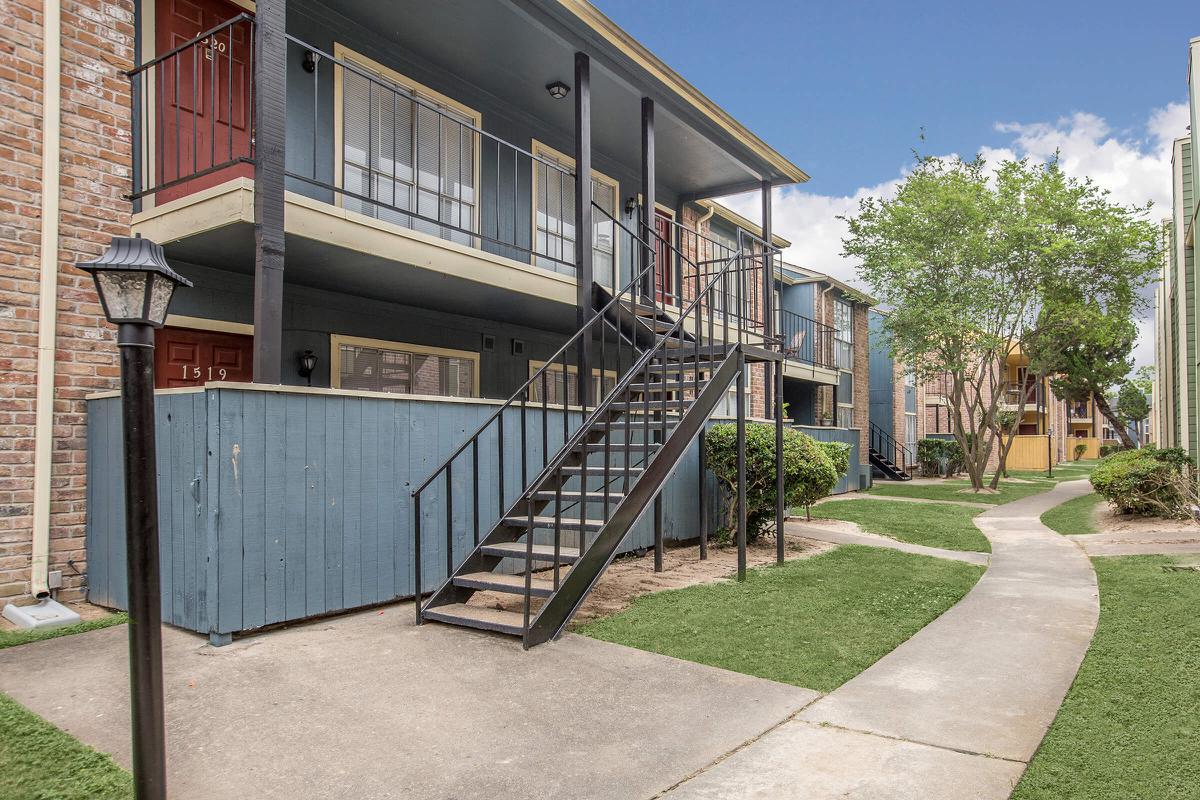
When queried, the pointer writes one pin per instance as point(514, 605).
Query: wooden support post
point(658, 533)
point(741, 467)
point(648, 194)
point(270, 103)
point(583, 221)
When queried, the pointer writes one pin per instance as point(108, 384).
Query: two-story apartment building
point(1176, 416)
point(408, 313)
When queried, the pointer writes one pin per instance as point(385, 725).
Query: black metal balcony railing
point(805, 340)
point(1032, 393)
point(193, 112)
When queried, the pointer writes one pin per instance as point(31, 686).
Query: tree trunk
point(1106, 410)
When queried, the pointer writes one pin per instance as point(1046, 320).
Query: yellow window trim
point(344, 53)
point(534, 366)
point(336, 340)
point(544, 150)
point(205, 324)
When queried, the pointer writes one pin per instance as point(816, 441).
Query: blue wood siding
point(850, 481)
point(882, 412)
point(277, 506)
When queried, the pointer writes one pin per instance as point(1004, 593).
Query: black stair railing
point(887, 446)
point(806, 341)
point(634, 349)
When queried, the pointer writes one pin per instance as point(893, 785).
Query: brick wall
point(97, 44)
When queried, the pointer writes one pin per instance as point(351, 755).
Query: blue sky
point(844, 90)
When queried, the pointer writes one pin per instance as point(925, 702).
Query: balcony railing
point(1032, 393)
point(806, 341)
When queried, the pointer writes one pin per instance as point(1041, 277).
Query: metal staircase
point(585, 472)
point(888, 456)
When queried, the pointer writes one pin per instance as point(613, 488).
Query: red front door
point(187, 357)
point(663, 258)
point(202, 96)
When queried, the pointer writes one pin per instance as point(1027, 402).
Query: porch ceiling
point(511, 50)
point(331, 267)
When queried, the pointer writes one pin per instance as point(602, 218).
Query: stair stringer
point(573, 590)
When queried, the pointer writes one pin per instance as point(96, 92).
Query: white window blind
point(406, 157)
point(554, 220)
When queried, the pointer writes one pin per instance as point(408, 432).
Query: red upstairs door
point(202, 97)
point(664, 271)
point(188, 357)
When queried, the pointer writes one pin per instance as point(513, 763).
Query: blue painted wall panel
point(278, 506)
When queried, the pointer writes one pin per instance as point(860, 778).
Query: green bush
point(1107, 450)
point(809, 470)
point(931, 452)
point(1147, 482)
point(1080, 449)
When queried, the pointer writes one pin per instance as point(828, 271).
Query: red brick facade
point(94, 159)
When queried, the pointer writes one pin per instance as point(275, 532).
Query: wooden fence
point(278, 504)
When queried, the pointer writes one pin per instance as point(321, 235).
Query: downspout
point(47, 298)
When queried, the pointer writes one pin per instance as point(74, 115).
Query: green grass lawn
point(1130, 726)
point(814, 622)
point(1074, 516)
point(953, 489)
point(12, 638)
point(929, 524)
point(40, 762)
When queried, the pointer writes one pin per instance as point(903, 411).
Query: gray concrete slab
point(848, 533)
point(370, 706)
point(955, 712)
point(802, 761)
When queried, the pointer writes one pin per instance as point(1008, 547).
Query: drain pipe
point(48, 297)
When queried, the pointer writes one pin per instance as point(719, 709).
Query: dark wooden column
point(648, 194)
point(270, 98)
point(583, 219)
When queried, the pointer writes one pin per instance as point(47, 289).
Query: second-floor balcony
point(1029, 393)
point(427, 163)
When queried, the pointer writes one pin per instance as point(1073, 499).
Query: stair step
point(487, 619)
point(659, 388)
point(597, 470)
point(638, 407)
point(541, 552)
point(593, 497)
point(503, 582)
point(569, 523)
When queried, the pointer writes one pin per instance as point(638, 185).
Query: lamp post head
point(134, 281)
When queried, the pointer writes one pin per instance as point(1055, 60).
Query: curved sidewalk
point(958, 710)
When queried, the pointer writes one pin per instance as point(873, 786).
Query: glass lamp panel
point(160, 298)
point(124, 292)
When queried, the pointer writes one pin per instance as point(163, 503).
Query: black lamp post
point(135, 287)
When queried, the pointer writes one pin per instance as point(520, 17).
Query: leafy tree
point(1132, 405)
point(981, 265)
point(1143, 379)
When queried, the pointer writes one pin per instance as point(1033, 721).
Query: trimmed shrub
point(809, 470)
point(1107, 450)
point(931, 453)
point(1147, 482)
point(1080, 449)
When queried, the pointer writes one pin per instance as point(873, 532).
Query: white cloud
point(1135, 167)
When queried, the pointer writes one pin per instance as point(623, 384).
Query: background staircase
point(892, 459)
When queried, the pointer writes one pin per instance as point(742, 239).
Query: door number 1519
point(193, 373)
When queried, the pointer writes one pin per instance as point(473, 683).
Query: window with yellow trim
point(554, 216)
point(555, 378)
point(404, 369)
point(410, 163)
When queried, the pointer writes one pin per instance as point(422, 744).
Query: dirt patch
point(1108, 521)
point(633, 576)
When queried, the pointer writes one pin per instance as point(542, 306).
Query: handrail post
point(648, 194)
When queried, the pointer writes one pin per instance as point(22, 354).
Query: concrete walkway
point(368, 706)
point(957, 711)
point(849, 533)
point(841, 498)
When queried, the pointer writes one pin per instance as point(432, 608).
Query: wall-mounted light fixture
point(306, 362)
point(631, 206)
point(558, 90)
point(311, 58)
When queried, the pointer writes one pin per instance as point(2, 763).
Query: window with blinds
point(843, 334)
point(405, 162)
point(559, 384)
point(384, 369)
point(554, 218)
